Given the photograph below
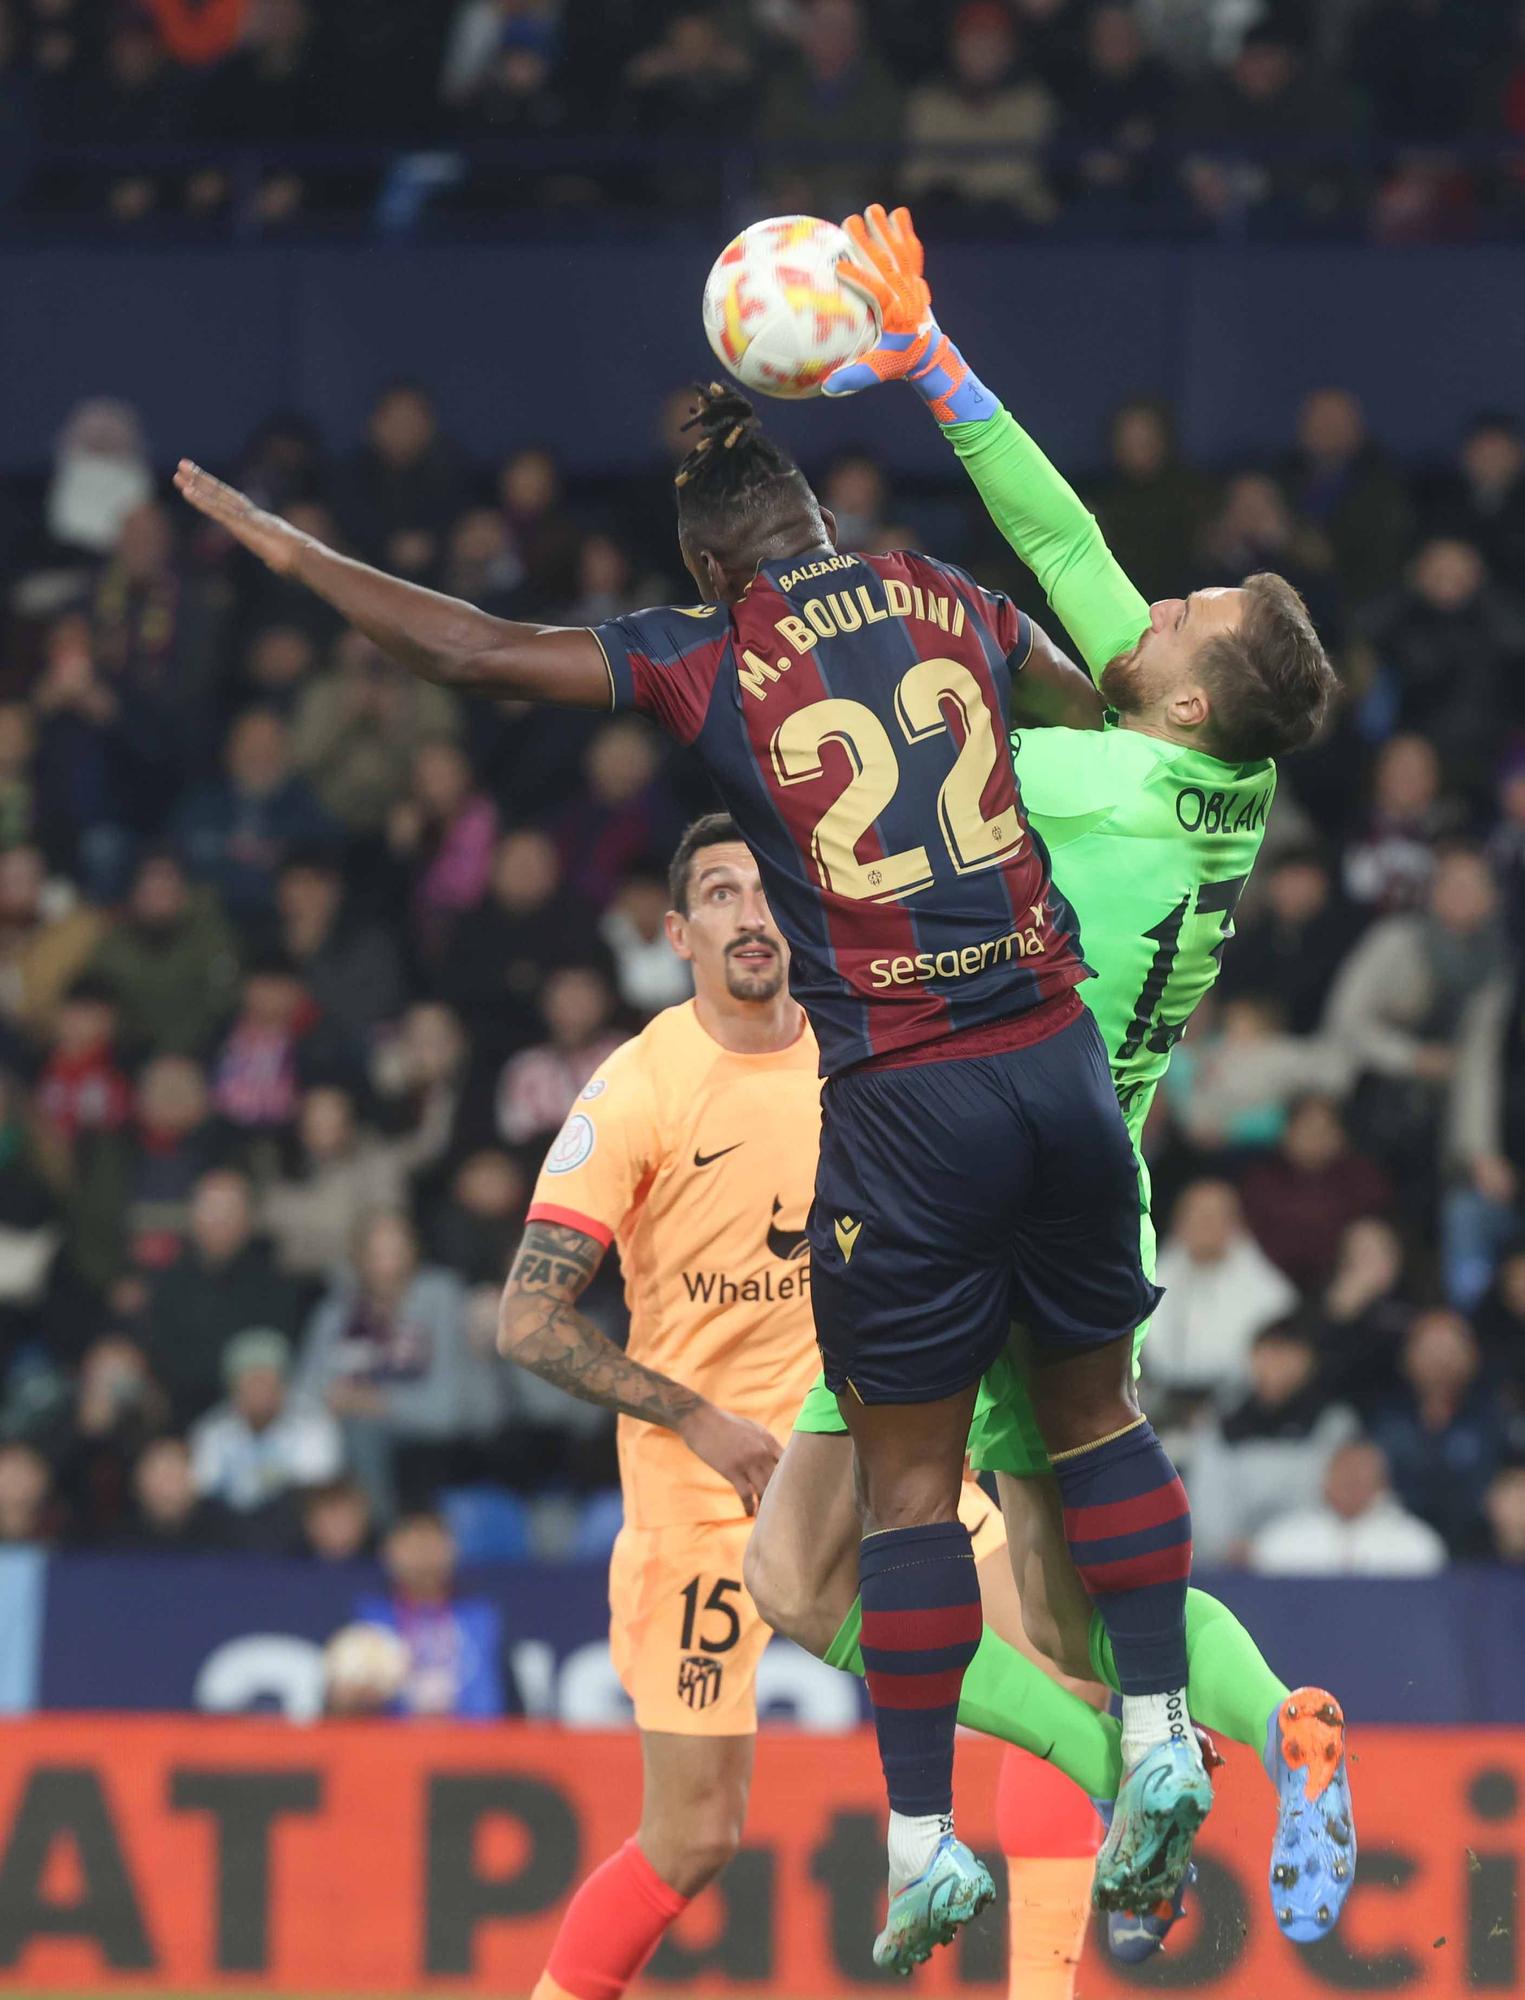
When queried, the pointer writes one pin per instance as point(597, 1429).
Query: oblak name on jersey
point(852, 711)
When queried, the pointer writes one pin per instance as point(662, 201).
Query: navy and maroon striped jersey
point(852, 712)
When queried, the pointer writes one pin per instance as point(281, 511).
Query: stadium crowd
point(1398, 118)
point(302, 965)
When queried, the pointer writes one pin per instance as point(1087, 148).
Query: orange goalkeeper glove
point(912, 347)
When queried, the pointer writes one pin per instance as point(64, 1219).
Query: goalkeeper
point(1153, 822)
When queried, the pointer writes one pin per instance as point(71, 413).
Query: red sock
point(1040, 1814)
point(1049, 1830)
point(612, 1926)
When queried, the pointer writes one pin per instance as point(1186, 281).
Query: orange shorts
point(684, 1635)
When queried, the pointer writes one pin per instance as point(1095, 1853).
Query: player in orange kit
point(694, 1150)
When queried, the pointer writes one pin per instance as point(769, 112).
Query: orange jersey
point(699, 1164)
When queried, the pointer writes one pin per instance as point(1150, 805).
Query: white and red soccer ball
point(775, 313)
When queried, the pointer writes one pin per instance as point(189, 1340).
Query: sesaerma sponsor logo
point(763, 1288)
point(966, 960)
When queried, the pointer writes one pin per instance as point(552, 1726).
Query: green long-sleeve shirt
point(1152, 842)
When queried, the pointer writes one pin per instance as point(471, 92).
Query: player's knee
point(781, 1591)
point(689, 1856)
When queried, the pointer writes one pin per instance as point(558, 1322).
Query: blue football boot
point(954, 1887)
point(1313, 1857)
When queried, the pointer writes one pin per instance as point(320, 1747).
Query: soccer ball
point(775, 313)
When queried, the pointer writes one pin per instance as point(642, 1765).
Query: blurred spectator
point(1391, 856)
point(420, 1074)
point(539, 1085)
point(1361, 1317)
point(1299, 1198)
point(1260, 134)
point(28, 1505)
point(445, 833)
point(256, 1075)
point(1418, 64)
point(101, 474)
point(151, 637)
point(1481, 500)
point(356, 729)
point(18, 750)
point(170, 964)
point(1125, 99)
point(278, 663)
point(29, 1231)
point(696, 80)
point(1220, 1290)
point(1499, 1322)
point(481, 564)
point(1442, 1434)
point(477, 1228)
point(1291, 949)
point(1504, 1505)
point(1270, 1451)
point(130, 1189)
point(1254, 529)
point(342, 1175)
point(252, 1450)
point(1343, 482)
point(82, 769)
point(839, 85)
point(1405, 1002)
point(1238, 1072)
point(482, 31)
point(986, 98)
point(169, 1515)
point(1359, 1528)
point(540, 530)
point(236, 831)
point(83, 1087)
point(1485, 1140)
point(273, 87)
point(625, 815)
point(115, 1409)
point(223, 1283)
point(529, 924)
point(1151, 505)
point(388, 1353)
point(1451, 644)
point(336, 1521)
point(857, 491)
point(45, 942)
point(404, 486)
point(454, 1644)
point(348, 967)
point(634, 927)
point(134, 97)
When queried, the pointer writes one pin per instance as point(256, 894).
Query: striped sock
point(1128, 1524)
point(921, 1626)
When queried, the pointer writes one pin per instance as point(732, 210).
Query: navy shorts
point(953, 1198)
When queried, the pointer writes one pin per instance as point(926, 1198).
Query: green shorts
point(1003, 1433)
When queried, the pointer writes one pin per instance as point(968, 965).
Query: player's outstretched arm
point(540, 1328)
point(1035, 508)
point(439, 638)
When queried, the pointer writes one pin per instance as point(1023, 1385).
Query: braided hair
point(736, 488)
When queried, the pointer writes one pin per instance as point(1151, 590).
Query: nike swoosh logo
point(709, 1159)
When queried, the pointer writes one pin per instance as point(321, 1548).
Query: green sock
point(1006, 1696)
point(1229, 1687)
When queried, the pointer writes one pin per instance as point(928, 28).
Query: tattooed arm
point(541, 1328)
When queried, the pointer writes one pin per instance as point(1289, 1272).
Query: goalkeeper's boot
point(954, 1887)
point(1162, 1801)
point(1313, 1857)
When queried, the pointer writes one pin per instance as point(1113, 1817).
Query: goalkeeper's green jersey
point(1150, 841)
point(1151, 844)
